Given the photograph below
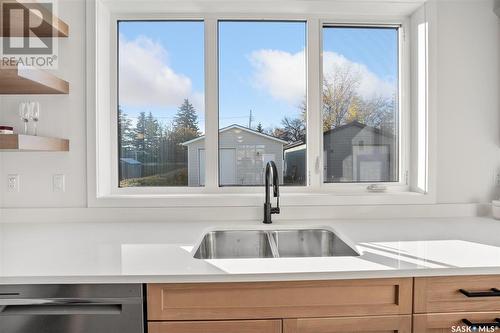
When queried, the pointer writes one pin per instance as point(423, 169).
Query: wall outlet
point(58, 183)
point(13, 183)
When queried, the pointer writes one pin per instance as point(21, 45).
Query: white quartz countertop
point(163, 252)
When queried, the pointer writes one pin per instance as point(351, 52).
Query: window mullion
point(314, 131)
point(211, 106)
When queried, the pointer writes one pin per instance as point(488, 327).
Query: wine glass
point(24, 115)
point(35, 115)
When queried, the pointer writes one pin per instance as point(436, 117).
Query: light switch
point(58, 183)
point(13, 183)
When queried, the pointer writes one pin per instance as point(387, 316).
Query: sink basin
point(232, 244)
point(310, 243)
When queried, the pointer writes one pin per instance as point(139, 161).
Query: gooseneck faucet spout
point(271, 171)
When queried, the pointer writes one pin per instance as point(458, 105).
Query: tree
point(186, 118)
point(147, 138)
point(292, 130)
point(140, 134)
point(259, 128)
point(342, 102)
point(339, 91)
point(152, 136)
point(127, 134)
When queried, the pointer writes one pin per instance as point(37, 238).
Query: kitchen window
point(329, 101)
point(360, 104)
point(160, 102)
point(262, 101)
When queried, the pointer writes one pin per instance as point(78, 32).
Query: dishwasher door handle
point(51, 307)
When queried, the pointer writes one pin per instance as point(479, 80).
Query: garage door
point(227, 175)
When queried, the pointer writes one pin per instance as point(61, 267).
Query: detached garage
point(243, 155)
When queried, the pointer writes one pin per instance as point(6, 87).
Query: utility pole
point(250, 119)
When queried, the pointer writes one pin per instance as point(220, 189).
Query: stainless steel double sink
point(232, 244)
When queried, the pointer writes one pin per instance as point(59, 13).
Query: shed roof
point(243, 128)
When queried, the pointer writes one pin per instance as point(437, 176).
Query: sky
point(262, 67)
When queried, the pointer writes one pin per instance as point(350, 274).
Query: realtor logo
point(27, 37)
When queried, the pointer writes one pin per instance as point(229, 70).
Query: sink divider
point(272, 244)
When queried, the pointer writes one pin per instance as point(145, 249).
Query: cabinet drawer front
point(452, 322)
point(279, 299)
point(241, 326)
point(442, 294)
point(385, 324)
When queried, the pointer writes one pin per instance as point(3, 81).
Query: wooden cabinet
point(269, 300)
point(457, 293)
point(236, 326)
point(452, 322)
point(440, 305)
point(383, 324)
point(453, 303)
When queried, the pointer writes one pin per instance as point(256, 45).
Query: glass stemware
point(35, 116)
point(24, 115)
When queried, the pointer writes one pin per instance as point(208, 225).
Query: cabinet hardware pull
point(493, 292)
point(495, 324)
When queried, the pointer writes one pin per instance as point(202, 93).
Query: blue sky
point(261, 66)
point(375, 48)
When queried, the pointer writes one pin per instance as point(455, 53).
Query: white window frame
point(404, 105)
point(102, 150)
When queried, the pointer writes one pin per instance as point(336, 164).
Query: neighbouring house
point(243, 155)
point(353, 152)
point(295, 163)
point(130, 168)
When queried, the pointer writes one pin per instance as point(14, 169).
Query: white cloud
point(146, 79)
point(370, 85)
point(282, 74)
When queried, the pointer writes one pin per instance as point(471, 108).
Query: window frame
point(404, 106)
point(103, 172)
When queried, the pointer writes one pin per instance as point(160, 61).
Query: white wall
point(61, 116)
point(468, 115)
point(468, 100)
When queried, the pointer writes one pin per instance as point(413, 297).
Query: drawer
point(385, 324)
point(269, 300)
point(452, 322)
point(236, 326)
point(442, 294)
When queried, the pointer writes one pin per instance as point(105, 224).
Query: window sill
point(352, 198)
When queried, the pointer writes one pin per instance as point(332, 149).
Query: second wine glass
point(35, 116)
point(24, 115)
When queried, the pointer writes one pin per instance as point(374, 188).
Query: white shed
point(243, 155)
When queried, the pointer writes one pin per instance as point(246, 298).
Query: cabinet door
point(270, 300)
point(453, 322)
point(457, 294)
point(385, 324)
point(236, 326)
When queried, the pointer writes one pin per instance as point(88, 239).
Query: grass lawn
point(173, 178)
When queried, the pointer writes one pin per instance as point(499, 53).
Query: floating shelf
point(54, 28)
point(21, 142)
point(24, 80)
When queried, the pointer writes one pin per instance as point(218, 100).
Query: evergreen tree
point(152, 137)
point(259, 128)
point(140, 134)
point(126, 131)
point(186, 118)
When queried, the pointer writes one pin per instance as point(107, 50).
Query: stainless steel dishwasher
point(116, 308)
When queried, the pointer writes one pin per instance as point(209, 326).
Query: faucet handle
point(275, 210)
